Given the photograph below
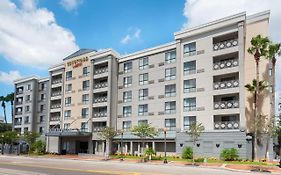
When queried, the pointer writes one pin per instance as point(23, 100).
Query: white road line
point(4, 171)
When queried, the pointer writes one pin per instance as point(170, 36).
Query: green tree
point(30, 138)
point(10, 137)
point(5, 127)
point(144, 131)
point(195, 130)
point(3, 104)
point(150, 152)
point(108, 134)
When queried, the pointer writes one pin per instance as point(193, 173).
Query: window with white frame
point(190, 49)
point(68, 75)
point(187, 121)
point(189, 85)
point(128, 66)
point(143, 94)
point(67, 113)
point(85, 98)
point(143, 63)
point(67, 101)
point(86, 85)
point(127, 81)
point(189, 104)
point(143, 110)
point(170, 90)
point(66, 126)
point(127, 96)
point(43, 97)
point(170, 57)
point(85, 112)
point(127, 111)
point(170, 107)
point(142, 122)
point(143, 79)
point(189, 67)
point(28, 98)
point(27, 108)
point(86, 71)
point(68, 87)
point(28, 87)
point(170, 73)
point(170, 124)
point(84, 126)
point(127, 125)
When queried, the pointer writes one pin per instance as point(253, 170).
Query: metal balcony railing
point(55, 94)
point(226, 125)
point(99, 114)
point(225, 44)
point(225, 64)
point(226, 84)
point(100, 85)
point(56, 106)
point(101, 70)
point(100, 100)
point(98, 129)
point(57, 81)
point(226, 104)
point(55, 118)
point(18, 112)
point(20, 91)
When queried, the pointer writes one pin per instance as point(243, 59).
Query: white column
point(146, 145)
point(131, 148)
point(153, 145)
point(138, 148)
point(118, 147)
point(103, 146)
point(126, 148)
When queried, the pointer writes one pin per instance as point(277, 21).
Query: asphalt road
point(47, 166)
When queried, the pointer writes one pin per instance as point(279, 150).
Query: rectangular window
point(41, 130)
point(188, 120)
point(143, 94)
point(127, 96)
point(170, 90)
point(67, 113)
point(142, 122)
point(43, 97)
point(127, 81)
point(170, 73)
point(85, 98)
point(27, 108)
point(85, 112)
point(190, 49)
point(170, 107)
point(42, 118)
point(68, 75)
point(86, 85)
point(28, 98)
point(26, 120)
point(189, 85)
point(68, 88)
point(189, 67)
point(143, 63)
point(189, 104)
point(127, 125)
point(66, 126)
point(127, 111)
point(86, 71)
point(170, 124)
point(28, 87)
point(143, 79)
point(67, 101)
point(128, 66)
point(170, 57)
point(42, 108)
point(143, 110)
point(43, 86)
point(84, 126)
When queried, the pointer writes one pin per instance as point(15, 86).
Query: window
point(189, 67)
point(66, 126)
point(143, 94)
point(28, 99)
point(43, 97)
point(170, 57)
point(85, 98)
point(25, 129)
point(190, 49)
point(170, 124)
point(143, 79)
point(43, 86)
point(85, 112)
point(143, 63)
point(42, 108)
point(127, 96)
point(42, 119)
point(68, 75)
point(142, 122)
point(28, 87)
point(86, 85)
point(143, 109)
point(189, 85)
point(127, 81)
point(27, 108)
point(170, 107)
point(189, 104)
point(26, 120)
point(67, 101)
point(67, 113)
point(41, 130)
point(188, 120)
point(127, 111)
point(68, 87)
point(86, 71)
point(128, 66)
point(127, 125)
point(84, 126)
point(170, 73)
point(170, 90)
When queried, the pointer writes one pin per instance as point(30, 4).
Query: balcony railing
point(55, 118)
point(226, 125)
point(55, 94)
point(56, 81)
point(19, 92)
point(17, 123)
point(99, 114)
point(100, 85)
point(101, 70)
point(18, 102)
point(18, 112)
point(56, 106)
point(100, 100)
point(98, 129)
point(226, 64)
point(225, 44)
point(226, 104)
point(226, 84)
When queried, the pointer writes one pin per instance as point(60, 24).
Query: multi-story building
point(31, 104)
point(198, 77)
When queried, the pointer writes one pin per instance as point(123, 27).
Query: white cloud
point(70, 5)
point(30, 35)
point(9, 77)
point(134, 34)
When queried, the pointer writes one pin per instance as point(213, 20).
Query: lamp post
point(165, 145)
point(250, 138)
point(2, 142)
point(122, 133)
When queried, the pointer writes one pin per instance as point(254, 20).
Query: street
point(12, 165)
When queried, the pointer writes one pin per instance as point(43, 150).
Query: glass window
point(67, 113)
point(170, 107)
point(27, 108)
point(29, 87)
point(170, 124)
point(170, 73)
point(189, 104)
point(43, 86)
point(127, 96)
point(127, 125)
point(127, 81)
point(85, 112)
point(170, 90)
point(190, 48)
point(128, 66)
point(68, 75)
point(143, 79)
point(143, 110)
point(142, 122)
point(67, 101)
point(42, 108)
point(143, 63)
point(127, 111)
point(84, 126)
point(143, 94)
point(188, 120)
point(41, 130)
point(26, 119)
point(66, 126)
point(43, 96)
point(189, 85)
point(85, 98)
point(68, 87)
point(170, 57)
point(86, 85)
point(86, 71)
point(42, 118)
point(28, 98)
point(189, 67)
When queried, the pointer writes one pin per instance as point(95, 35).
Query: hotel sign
point(77, 62)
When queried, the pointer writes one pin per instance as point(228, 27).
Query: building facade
point(198, 77)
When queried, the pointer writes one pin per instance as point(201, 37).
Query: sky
point(35, 34)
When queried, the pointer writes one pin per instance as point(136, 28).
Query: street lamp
point(122, 134)
point(165, 145)
point(250, 138)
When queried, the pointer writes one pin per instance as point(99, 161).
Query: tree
point(10, 98)
point(195, 130)
point(253, 88)
point(3, 104)
point(5, 127)
point(30, 138)
point(144, 131)
point(10, 137)
point(108, 134)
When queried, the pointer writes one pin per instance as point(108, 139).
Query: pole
point(165, 146)
point(122, 157)
point(253, 146)
point(2, 149)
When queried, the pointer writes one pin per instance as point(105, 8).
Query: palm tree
point(253, 88)
point(3, 104)
point(10, 98)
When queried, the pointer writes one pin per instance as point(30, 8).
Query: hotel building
point(198, 77)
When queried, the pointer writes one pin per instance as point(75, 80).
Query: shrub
point(187, 153)
point(229, 154)
point(201, 159)
point(38, 147)
point(150, 151)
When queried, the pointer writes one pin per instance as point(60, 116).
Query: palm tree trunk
point(12, 111)
point(5, 116)
point(256, 108)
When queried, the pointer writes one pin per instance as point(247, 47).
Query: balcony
point(226, 104)
point(55, 94)
point(55, 106)
point(17, 123)
point(55, 118)
point(225, 64)
point(57, 81)
point(101, 71)
point(18, 113)
point(98, 129)
point(225, 44)
point(19, 91)
point(100, 85)
point(226, 125)
point(18, 102)
point(99, 114)
point(226, 84)
point(100, 100)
